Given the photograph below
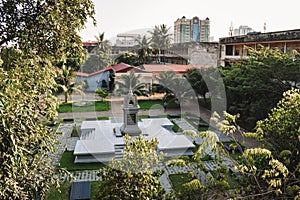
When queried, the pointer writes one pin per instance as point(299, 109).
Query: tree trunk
point(66, 97)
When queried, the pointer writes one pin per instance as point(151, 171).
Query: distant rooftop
point(169, 67)
point(261, 37)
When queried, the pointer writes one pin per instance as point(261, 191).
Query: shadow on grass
point(97, 106)
point(67, 162)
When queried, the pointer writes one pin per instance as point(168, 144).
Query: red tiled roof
point(89, 43)
point(80, 74)
point(121, 67)
point(170, 67)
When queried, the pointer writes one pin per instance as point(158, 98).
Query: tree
point(102, 93)
point(34, 35)
point(25, 102)
point(131, 82)
point(144, 50)
point(67, 85)
point(131, 177)
point(92, 64)
point(48, 27)
point(264, 176)
point(282, 124)
point(271, 172)
point(128, 58)
point(254, 86)
point(176, 89)
point(194, 77)
point(160, 39)
point(103, 51)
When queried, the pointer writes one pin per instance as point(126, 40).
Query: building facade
point(242, 30)
point(232, 49)
point(191, 30)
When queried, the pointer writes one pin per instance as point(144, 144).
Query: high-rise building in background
point(242, 30)
point(191, 30)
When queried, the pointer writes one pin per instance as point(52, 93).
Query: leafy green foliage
point(92, 64)
point(67, 85)
point(283, 124)
point(49, 27)
point(254, 86)
point(281, 130)
point(176, 89)
point(61, 193)
point(178, 180)
point(264, 174)
point(194, 77)
point(131, 82)
point(25, 102)
point(101, 93)
point(131, 177)
point(34, 35)
point(160, 40)
point(128, 58)
point(103, 50)
point(144, 50)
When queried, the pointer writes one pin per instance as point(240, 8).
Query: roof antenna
point(265, 27)
point(230, 29)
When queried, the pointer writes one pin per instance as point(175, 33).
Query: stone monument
point(130, 109)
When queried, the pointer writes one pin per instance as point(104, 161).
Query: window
point(229, 50)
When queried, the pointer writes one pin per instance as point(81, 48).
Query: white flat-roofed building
point(100, 141)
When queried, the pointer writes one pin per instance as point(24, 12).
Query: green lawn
point(67, 162)
point(102, 118)
point(178, 180)
point(147, 104)
point(97, 106)
point(63, 194)
point(175, 128)
point(65, 188)
point(143, 117)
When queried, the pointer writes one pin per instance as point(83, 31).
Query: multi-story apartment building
point(242, 30)
point(232, 49)
point(191, 30)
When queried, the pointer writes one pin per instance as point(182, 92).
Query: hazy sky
point(118, 16)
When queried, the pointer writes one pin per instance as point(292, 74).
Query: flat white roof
point(105, 139)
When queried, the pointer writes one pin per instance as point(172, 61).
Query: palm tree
point(144, 49)
point(130, 82)
point(67, 85)
point(160, 39)
point(175, 88)
point(103, 50)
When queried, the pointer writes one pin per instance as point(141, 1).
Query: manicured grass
point(94, 189)
point(63, 194)
point(147, 104)
point(155, 104)
point(65, 188)
point(175, 128)
point(76, 132)
point(102, 118)
point(98, 106)
point(143, 117)
point(178, 180)
point(67, 162)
